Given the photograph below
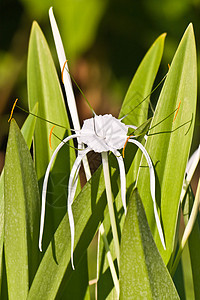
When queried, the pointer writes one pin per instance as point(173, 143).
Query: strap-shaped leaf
point(55, 266)
point(139, 88)
point(27, 132)
point(21, 215)
point(169, 150)
point(143, 274)
point(44, 88)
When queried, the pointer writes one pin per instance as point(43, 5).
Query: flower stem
point(188, 229)
point(110, 260)
point(110, 203)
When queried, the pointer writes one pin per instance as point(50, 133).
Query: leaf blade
point(170, 151)
point(21, 215)
point(142, 271)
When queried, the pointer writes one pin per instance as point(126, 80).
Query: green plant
point(144, 266)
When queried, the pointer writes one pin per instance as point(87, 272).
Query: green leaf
point(142, 270)
point(28, 127)
point(136, 102)
point(44, 88)
point(193, 243)
point(141, 85)
point(1, 224)
point(169, 150)
point(55, 266)
point(21, 215)
point(139, 88)
point(27, 131)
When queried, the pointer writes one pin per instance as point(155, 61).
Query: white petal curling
point(152, 188)
point(71, 193)
point(44, 189)
point(122, 177)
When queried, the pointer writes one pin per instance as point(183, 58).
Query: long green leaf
point(193, 243)
point(139, 88)
point(27, 132)
point(169, 150)
point(142, 271)
point(44, 88)
point(55, 266)
point(21, 215)
point(136, 102)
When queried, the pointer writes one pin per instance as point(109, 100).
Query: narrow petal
point(66, 76)
point(152, 188)
point(67, 84)
point(122, 177)
point(44, 189)
point(135, 127)
point(190, 169)
point(71, 192)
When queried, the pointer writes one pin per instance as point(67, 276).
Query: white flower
point(101, 133)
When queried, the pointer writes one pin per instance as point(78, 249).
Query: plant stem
point(110, 260)
point(110, 203)
point(188, 228)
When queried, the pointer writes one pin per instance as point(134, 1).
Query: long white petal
point(152, 188)
point(135, 127)
point(190, 169)
point(67, 84)
point(44, 189)
point(122, 177)
point(71, 193)
point(66, 76)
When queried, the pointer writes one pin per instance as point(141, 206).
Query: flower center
point(103, 133)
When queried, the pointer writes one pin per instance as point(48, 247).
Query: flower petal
point(190, 169)
point(44, 189)
point(152, 188)
point(122, 177)
point(71, 192)
point(67, 84)
point(66, 76)
point(135, 127)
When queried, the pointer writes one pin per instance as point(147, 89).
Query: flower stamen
point(12, 110)
point(50, 135)
point(63, 71)
point(123, 150)
point(177, 111)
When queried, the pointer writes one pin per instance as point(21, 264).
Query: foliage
point(144, 265)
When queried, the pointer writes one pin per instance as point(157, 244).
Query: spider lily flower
point(101, 133)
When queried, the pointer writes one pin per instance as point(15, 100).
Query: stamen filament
point(110, 203)
point(177, 111)
point(123, 150)
point(50, 134)
point(63, 71)
point(12, 110)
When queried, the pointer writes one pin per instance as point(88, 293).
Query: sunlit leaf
point(56, 266)
point(140, 87)
point(142, 270)
point(27, 131)
point(44, 88)
point(169, 150)
point(21, 215)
